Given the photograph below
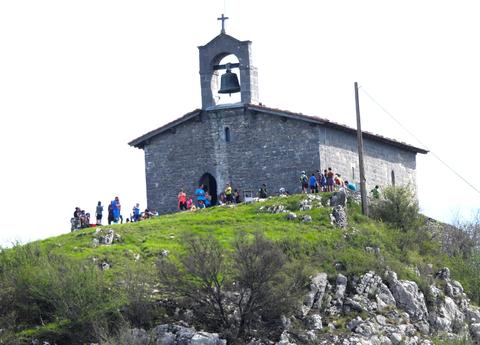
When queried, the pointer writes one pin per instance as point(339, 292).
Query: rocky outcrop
point(339, 217)
point(167, 335)
point(364, 310)
point(383, 311)
point(339, 198)
point(178, 335)
point(105, 237)
point(408, 296)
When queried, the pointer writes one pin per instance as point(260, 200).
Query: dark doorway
point(210, 186)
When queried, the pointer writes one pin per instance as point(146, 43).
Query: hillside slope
point(79, 287)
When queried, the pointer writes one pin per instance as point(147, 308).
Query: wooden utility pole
point(363, 190)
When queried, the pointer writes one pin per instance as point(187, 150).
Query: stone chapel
point(248, 144)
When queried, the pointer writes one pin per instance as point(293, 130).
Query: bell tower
point(211, 55)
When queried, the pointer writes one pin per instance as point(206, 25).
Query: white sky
point(80, 79)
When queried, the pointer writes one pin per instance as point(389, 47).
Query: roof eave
point(141, 141)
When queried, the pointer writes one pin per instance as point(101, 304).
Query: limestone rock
point(306, 218)
point(284, 340)
point(315, 296)
point(291, 216)
point(306, 205)
point(340, 216)
point(475, 332)
point(407, 296)
point(108, 238)
point(176, 335)
point(341, 286)
point(315, 322)
point(443, 274)
point(274, 209)
point(339, 198)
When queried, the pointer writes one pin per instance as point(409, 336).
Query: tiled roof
point(141, 141)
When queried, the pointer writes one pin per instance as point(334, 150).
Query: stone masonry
point(249, 144)
point(263, 148)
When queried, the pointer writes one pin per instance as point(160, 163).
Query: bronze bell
point(229, 83)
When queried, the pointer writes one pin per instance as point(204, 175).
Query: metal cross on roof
point(223, 19)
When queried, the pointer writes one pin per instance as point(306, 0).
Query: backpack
point(303, 178)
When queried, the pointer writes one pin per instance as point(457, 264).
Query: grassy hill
point(55, 288)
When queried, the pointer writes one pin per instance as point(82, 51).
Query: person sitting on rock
point(208, 199)
point(189, 203)
point(236, 196)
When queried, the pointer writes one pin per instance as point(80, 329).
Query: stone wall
point(263, 148)
point(339, 151)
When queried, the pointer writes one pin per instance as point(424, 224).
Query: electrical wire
point(418, 140)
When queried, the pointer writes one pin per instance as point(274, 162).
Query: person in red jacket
point(182, 200)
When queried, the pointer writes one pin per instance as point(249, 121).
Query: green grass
point(319, 245)
point(318, 239)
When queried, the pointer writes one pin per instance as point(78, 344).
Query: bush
point(398, 207)
point(38, 291)
point(468, 272)
point(237, 293)
point(136, 286)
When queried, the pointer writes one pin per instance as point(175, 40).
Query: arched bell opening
point(210, 186)
point(226, 83)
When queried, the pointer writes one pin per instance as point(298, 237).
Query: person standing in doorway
point(200, 194)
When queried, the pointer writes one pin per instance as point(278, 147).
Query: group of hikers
point(81, 219)
point(328, 181)
point(204, 198)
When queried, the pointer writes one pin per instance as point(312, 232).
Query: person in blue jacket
point(200, 194)
point(312, 183)
point(136, 213)
point(351, 186)
point(116, 209)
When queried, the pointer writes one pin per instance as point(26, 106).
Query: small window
point(393, 178)
point(227, 134)
point(353, 173)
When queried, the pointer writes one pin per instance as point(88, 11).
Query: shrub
point(136, 285)
point(398, 206)
point(468, 272)
point(262, 285)
point(39, 290)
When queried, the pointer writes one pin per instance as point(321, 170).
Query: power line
point(419, 141)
